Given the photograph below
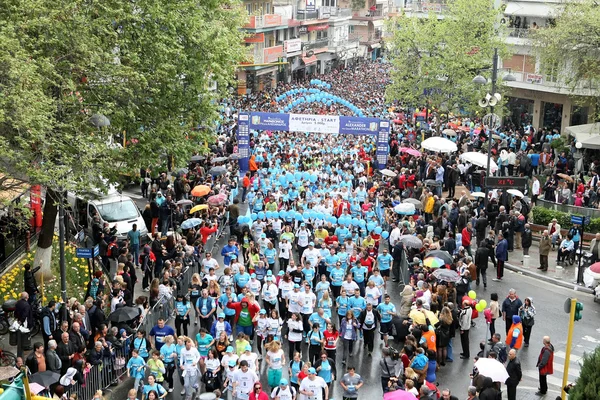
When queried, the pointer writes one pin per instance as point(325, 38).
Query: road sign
point(85, 252)
point(501, 182)
point(577, 219)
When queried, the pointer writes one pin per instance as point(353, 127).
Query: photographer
point(391, 367)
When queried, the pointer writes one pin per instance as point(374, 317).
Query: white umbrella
point(478, 194)
point(515, 192)
point(449, 132)
point(388, 172)
point(492, 369)
point(479, 159)
point(439, 144)
point(405, 209)
point(416, 202)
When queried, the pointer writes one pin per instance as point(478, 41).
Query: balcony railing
point(315, 44)
point(303, 15)
point(426, 6)
point(338, 45)
point(521, 33)
point(366, 37)
point(337, 12)
point(265, 21)
point(367, 14)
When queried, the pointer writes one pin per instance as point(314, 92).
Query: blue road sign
point(577, 219)
point(83, 252)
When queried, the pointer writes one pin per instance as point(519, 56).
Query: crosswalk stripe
point(552, 379)
point(561, 354)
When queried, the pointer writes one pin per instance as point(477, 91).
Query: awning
point(588, 135)
point(309, 60)
point(540, 10)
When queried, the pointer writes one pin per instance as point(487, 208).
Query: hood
point(516, 319)
point(530, 299)
point(407, 291)
point(487, 383)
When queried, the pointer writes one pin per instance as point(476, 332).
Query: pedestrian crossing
point(581, 346)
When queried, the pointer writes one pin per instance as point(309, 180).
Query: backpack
point(502, 353)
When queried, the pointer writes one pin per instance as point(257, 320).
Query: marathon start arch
point(260, 121)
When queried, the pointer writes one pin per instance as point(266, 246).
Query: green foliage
point(357, 4)
point(559, 145)
point(146, 65)
point(543, 216)
point(569, 50)
point(440, 57)
point(588, 383)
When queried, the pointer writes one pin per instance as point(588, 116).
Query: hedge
point(543, 216)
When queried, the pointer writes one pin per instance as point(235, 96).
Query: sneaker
point(170, 390)
point(146, 289)
point(497, 280)
point(182, 392)
point(527, 256)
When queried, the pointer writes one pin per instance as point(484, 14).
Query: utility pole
point(574, 308)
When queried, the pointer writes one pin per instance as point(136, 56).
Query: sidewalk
point(564, 275)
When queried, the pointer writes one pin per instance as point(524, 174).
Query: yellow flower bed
point(11, 282)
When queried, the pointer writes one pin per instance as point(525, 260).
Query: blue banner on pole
point(359, 125)
point(243, 141)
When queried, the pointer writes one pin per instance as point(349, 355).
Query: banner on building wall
point(334, 124)
point(292, 46)
point(311, 5)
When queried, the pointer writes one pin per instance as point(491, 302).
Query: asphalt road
point(550, 320)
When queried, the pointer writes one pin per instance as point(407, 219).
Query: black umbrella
point(46, 378)
point(444, 255)
point(217, 171)
point(446, 275)
point(124, 314)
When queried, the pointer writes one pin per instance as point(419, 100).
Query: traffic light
point(578, 311)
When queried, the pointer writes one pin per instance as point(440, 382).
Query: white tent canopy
point(588, 135)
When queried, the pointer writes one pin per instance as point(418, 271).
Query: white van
point(113, 208)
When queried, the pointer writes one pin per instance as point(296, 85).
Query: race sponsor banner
point(243, 141)
point(314, 123)
point(269, 121)
point(359, 126)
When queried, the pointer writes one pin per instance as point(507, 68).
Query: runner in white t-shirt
point(243, 381)
point(311, 387)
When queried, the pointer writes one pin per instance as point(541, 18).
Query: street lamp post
point(491, 100)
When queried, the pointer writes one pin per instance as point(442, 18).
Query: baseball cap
point(311, 244)
point(264, 235)
point(221, 315)
point(303, 224)
point(253, 275)
point(269, 273)
point(232, 363)
point(281, 273)
point(233, 257)
point(283, 382)
point(296, 286)
point(229, 349)
point(248, 348)
point(312, 371)
point(263, 311)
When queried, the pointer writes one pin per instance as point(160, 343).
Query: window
point(267, 8)
point(249, 9)
point(329, 3)
point(118, 211)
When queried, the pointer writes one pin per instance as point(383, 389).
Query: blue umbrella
point(190, 223)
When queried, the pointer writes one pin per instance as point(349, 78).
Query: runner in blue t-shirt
point(384, 262)
point(159, 332)
point(387, 310)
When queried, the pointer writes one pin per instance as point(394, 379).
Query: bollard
point(559, 272)
point(527, 262)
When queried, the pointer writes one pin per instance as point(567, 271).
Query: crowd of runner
point(304, 281)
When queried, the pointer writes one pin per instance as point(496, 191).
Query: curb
point(548, 279)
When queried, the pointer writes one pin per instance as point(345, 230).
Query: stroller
point(211, 381)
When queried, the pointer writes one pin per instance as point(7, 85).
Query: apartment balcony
point(369, 15)
point(425, 7)
point(337, 12)
point(303, 15)
point(336, 46)
point(366, 38)
point(317, 46)
point(266, 21)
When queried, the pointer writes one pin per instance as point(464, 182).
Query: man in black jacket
point(481, 262)
point(526, 240)
point(23, 310)
point(66, 352)
point(513, 367)
point(29, 281)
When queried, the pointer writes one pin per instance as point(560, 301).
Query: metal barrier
point(113, 370)
point(569, 209)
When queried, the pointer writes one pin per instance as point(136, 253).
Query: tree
point(147, 65)
point(588, 383)
point(570, 51)
point(435, 59)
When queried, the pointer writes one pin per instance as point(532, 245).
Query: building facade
point(535, 98)
point(292, 39)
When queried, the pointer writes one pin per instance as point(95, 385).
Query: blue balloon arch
point(296, 97)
